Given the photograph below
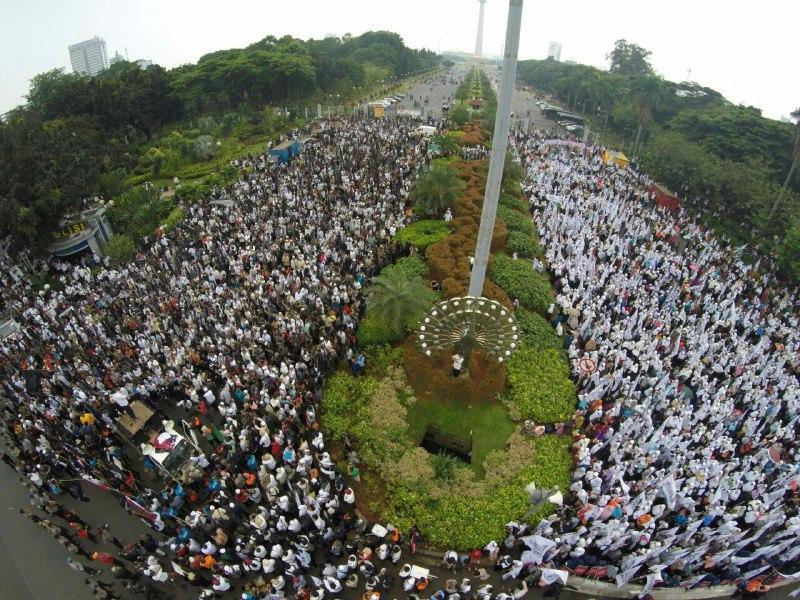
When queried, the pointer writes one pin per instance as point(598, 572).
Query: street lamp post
point(499, 144)
point(463, 323)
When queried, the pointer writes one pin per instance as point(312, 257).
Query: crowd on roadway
point(233, 320)
point(686, 358)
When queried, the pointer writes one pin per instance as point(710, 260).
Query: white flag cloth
point(538, 547)
point(551, 575)
point(625, 576)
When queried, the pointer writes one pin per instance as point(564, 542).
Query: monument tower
point(479, 37)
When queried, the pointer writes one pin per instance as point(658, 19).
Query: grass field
point(488, 422)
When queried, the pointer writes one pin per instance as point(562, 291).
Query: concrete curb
point(608, 589)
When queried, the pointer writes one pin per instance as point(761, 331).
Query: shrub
point(120, 249)
point(344, 403)
point(519, 280)
point(521, 243)
point(444, 466)
point(459, 114)
point(372, 331)
point(514, 203)
point(422, 234)
point(408, 266)
point(515, 221)
point(537, 333)
point(540, 385)
point(177, 215)
point(139, 211)
point(192, 190)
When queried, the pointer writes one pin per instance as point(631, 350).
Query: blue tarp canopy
point(285, 150)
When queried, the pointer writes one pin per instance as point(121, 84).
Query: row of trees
point(78, 136)
point(732, 163)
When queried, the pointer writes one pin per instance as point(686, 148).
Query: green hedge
point(537, 333)
point(521, 243)
point(422, 234)
point(519, 280)
point(540, 385)
point(517, 204)
point(409, 266)
point(175, 216)
point(515, 220)
point(372, 331)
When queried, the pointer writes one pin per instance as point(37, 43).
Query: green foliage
point(408, 267)
point(436, 189)
point(515, 220)
point(398, 302)
point(459, 114)
point(422, 234)
point(540, 385)
point(139, 211)
point(789, 254)
point(444, 466)
point(380, 357)
point(449, 145)
point(628, 58)
point(344, 404)
point(120, 249)
point(514, 203)
point(521, 243)
point(171, 221)
point(537, 333)
point(204, 147)
point(519, 280)
point(372, 331)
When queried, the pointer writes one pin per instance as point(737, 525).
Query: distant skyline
point(742, 50)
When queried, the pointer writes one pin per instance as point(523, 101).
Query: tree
point(436, 189)
point(789, 254)
point(398, 302)
point(448, 144)
point(647, 93)
point(120, 249)
point(459, 114)
point(792, 169)
point(628, 58)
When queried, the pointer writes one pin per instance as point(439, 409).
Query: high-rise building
point(89, 57)
point(479, 37)
point(554, 51)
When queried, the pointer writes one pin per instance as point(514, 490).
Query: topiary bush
point(540, 385)
point(537, 333)
point(372, 331)
point(521, 243)
point(514, 203)
point(515, 220)
point(519, 280)
point(408, 266)
point(422, 234)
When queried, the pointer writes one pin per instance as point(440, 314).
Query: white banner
point(538, 547)
point(552, 575)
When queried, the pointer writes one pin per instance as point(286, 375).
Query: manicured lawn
point(488, 421)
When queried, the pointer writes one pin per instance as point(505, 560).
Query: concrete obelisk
point(479, 37)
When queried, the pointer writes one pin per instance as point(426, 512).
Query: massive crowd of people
point(232, 320)
point(686, 358)
point(686, 454)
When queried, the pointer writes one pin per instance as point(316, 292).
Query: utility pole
point(499, 144)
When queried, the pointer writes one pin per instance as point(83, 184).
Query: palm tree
point(399, 302)
point(792, 169)
point(437, 188)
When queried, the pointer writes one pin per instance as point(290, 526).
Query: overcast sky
point(747, 51)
